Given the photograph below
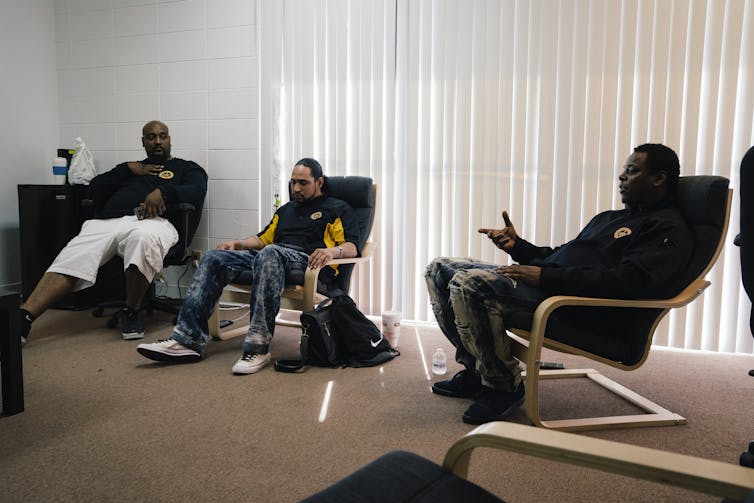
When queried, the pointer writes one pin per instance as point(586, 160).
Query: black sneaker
point(465, 384)
point(133, 324)
point(494, 405)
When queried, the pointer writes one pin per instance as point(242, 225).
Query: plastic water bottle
point(439, 362)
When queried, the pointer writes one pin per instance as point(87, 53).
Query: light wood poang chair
point(300, 294)
point(623, 336)
point(679, 470)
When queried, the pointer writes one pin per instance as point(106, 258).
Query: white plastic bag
point(82, 168)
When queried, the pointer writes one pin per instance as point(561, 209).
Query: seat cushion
point(401, 477)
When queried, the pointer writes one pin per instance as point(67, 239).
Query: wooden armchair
point(623, 336)
point(302, 294)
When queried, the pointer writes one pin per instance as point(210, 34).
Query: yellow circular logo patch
point(316, 215)
point(167, 175)
point(622, 232)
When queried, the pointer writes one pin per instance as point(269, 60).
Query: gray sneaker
point(133, 324)
point(168, 350)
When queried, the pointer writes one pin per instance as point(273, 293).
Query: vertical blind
point(460, 109)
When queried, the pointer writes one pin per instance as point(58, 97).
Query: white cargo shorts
point(143, 243)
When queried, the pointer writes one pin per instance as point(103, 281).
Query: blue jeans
point(266, 270)
point(471, 301)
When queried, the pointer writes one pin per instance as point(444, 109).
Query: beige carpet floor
point(104, 424)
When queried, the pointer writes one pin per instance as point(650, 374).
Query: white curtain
point(460, 109)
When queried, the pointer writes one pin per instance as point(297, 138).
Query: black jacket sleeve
point(652, 265)
point(102, 186)
point(192, 189)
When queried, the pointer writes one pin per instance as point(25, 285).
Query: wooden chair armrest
point(312, 274)
point(689, 472)
point(366, 254)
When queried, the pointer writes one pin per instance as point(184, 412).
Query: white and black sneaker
point(168, 350)
point(133, 324)
point(250, 363)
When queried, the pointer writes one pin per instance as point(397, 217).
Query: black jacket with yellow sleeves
point(322, 222)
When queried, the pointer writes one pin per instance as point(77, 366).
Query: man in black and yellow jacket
point(309, 231)
point(129, 201)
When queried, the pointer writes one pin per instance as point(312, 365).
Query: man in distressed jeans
point(309, 231)
point(641, 251)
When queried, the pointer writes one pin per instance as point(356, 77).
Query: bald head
point(148, 126)
point(156, 141)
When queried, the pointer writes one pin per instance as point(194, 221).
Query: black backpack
point(336, 333)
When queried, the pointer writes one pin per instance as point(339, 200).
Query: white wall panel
point(232, 133)
point(183, 45)
point(137, 78)
point(233, 195)
point(91, 53)
point(233, 104)
point(231, 42)
point(232, 73)
point(131, 21)
point(86, 25)
point(137, 107)
point(233, 224)
point(136, 50)
point(185, 15)
point(183, 76)
point(230, 13)
point(233, 164)
point(184, 105)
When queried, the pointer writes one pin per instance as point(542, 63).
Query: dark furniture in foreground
point(10, 352)
point(402, 477)
point(48, 217)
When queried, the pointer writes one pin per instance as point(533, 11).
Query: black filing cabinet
point(49, 216)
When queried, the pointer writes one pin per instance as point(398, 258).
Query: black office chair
point(185, 218)
point(746, 237)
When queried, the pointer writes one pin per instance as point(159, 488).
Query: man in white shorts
point(129, 201)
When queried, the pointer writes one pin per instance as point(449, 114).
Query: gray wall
point(29, 104)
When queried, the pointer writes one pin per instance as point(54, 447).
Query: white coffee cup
point(391, 326)
point(59, 170)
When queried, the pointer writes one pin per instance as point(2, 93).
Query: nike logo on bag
point(375, 344)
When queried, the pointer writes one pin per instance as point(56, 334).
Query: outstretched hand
point(505, 238)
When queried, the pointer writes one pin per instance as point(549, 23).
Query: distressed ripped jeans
point(266, 269)
point(471, 302)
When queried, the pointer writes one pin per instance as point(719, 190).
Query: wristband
point(340, 249)
point(243, 247)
